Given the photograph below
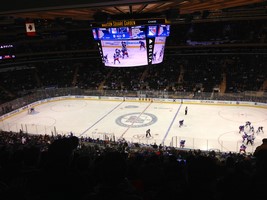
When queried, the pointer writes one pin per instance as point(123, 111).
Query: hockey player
point(248, 123)
point(242, 148)
point(260, 129)
point(244, 137)
point(116, 58)
point(105, 58)
point(142, 45)
point(148, 134)
point(251, 129)
point(250, 139)
point(118, 52)
point(124, 52)
point(154, 56)
point(182, 143)
point(161, 52)
point(181, 123)
point(241, 128)
point(32, 110)
point(123, 44)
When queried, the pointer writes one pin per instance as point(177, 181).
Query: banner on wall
point(30, 29)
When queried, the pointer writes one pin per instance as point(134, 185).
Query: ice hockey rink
point(206, 127)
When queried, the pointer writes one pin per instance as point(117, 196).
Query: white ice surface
point(205, 127)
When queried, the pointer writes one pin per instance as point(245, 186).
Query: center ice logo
point(136, 120)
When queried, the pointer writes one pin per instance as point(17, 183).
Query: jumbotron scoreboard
point(131, 43)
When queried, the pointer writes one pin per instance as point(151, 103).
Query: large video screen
point(158, 50)
point(124, 53)
point(132, 46)
point(117, 33)
point(162, 30)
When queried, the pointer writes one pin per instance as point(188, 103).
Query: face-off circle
point(136, 120)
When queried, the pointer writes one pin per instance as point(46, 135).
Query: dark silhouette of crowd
point(65, 166)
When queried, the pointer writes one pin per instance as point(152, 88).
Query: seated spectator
point(112, 182)
point(261, 153)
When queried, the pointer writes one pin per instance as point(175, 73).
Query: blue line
point(101, 119)
point(166, 134)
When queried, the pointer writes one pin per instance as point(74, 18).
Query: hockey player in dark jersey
point(31, 110)
point(248, 123)
point(242, 148)
point(244, 137)
point(124, 52)
point(182, 143)
point(118, 52)
point(105, 58)
point(250, 139)
point(123, 44)
point(241, 128)
point(251, 129)
point(161, 52)
point(154, 56)
point(181, 123)
point(142, 45)
point(260, 129)
point(148, 134)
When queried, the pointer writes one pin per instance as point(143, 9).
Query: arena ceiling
point(88, 9)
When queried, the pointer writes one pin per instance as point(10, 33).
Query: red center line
point(135, 120)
